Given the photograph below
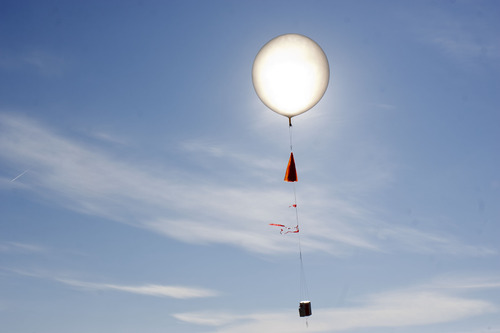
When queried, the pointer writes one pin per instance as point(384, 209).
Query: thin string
point(304, 293)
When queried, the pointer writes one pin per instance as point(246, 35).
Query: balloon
point(290, 74)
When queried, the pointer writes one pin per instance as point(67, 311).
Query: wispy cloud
point(487, 329)
point(257, 167)
point(40, 61)
point(415, 306)
point(157, 290)
point(107, 137)
point(384, 106)
point(463, 38)
point(87, 179)
point(19, 176)
point(17, 247)
point(427, 243)
point(209, 318)
point(46, 63)
point(180, 292)
point(465, 283)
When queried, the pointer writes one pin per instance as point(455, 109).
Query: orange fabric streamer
point(286, 230)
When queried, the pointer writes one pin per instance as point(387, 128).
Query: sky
point(139, 171)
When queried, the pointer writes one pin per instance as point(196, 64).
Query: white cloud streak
point(209, 318)
point(465, 39)
point(190, 208)
point(19, 247)
point(157, 290)
point(179, 292)
point(418, 306)
point(466, 283)
point(40, 61)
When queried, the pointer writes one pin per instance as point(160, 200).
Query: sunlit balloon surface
point(290, 74)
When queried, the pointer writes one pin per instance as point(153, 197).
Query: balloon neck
point(289, 121)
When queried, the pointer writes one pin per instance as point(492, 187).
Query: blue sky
point(139, 170)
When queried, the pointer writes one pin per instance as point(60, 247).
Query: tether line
point(304, 293)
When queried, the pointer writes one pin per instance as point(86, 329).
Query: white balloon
point(290, 74)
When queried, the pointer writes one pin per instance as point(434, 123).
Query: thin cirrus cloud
point(87, 179)
point(20, 247)
point(414, 306)
point(157, 290)
point(399, 310)
point(465, 283)
point(39, 61)
point(458, 41)
point(180, 292)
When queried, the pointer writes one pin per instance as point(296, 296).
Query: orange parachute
point(291, 172)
